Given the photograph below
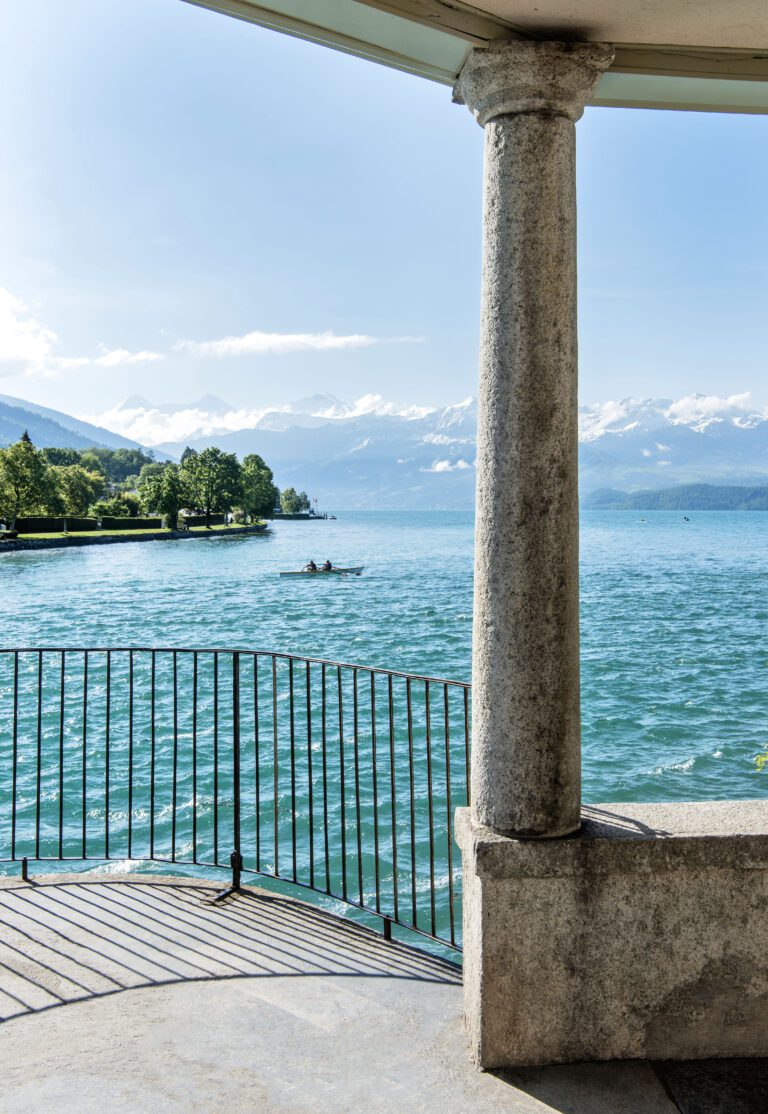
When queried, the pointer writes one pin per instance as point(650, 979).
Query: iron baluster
point(292, 728)
point(39, 766)
point(61, 753)
point(130, 754)
point(310, 780)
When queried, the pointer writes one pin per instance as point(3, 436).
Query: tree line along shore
point(47, 492)
point(686, 497)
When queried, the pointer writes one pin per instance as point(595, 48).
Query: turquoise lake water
point(674, 687)
point(674, 623)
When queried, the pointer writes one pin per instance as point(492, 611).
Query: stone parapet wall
point(645, 935)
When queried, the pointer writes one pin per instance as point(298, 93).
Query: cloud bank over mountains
point(150, 424)
point(375, 453)
point(696, 411)
point(142, 421)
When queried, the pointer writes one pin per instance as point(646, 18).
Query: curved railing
point(338, 778)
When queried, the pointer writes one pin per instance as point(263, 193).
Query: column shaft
point(526, 763)
point(526, 771)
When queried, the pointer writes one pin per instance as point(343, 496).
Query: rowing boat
point(352, 570)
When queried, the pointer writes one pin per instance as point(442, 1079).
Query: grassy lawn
point(91, 534)
point(129, 533)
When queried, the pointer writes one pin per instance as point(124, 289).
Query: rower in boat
point(334, 570)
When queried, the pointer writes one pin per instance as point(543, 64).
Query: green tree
point(213, 479)
point(294, 502)
point(76, 487)
point(61, 456)
point(92, 462)
point(125, 505)
point(25, 480)
point(162, 490)
point(259, 494)
point(118, 465)
point(5, 495)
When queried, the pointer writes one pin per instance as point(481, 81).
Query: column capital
point(528, 76)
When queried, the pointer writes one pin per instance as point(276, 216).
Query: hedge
point(110, 523)
point(199, 520)
point(78, 525)
point(40, 525)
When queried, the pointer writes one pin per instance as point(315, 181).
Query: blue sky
point(170, 178)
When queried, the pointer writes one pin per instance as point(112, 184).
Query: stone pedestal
point(643, 936)
point(525, 704)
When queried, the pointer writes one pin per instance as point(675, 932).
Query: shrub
point(40, 524)
point(81, 524)
point(110, 523)
point(199, 519)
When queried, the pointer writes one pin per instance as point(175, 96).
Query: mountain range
point(374, 454)
point(52, 428)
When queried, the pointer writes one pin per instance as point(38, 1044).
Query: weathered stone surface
point(526, 723)
point(643, 936)
point(507, 78)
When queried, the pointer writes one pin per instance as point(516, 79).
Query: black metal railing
point(338, 778)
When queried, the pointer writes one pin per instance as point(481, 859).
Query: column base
point(645, 935)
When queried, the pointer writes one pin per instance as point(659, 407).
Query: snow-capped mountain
point(374, 453)
point(651, 443)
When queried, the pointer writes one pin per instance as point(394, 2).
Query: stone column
point(526, 762)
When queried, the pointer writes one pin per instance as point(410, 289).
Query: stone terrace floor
point(134, 993)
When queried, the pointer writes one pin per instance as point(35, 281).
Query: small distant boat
point(337, 570)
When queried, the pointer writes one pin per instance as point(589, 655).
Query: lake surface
point(674, 623)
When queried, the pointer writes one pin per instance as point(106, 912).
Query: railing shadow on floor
point(66, 941)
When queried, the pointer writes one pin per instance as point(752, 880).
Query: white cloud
point(152, 426)
point(110, 357)
point(695, 408)
point(262, 344)
point(28, 347)
point(698, 412)
point(118, 357)
point(26, 344)
point(448, 466)
point(594, 421)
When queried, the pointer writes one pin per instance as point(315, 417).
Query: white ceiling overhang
point(707, 55)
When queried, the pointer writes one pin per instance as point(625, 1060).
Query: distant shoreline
point(684, 497)
point(303, 516)
point(17, 545)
